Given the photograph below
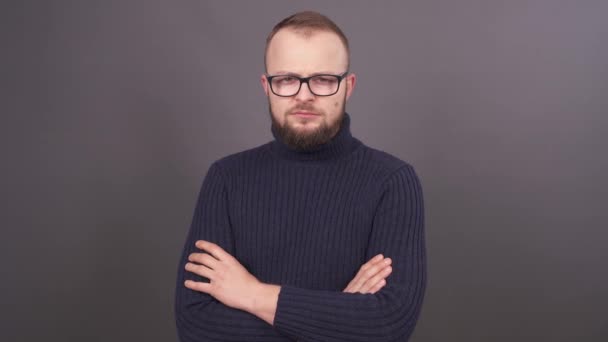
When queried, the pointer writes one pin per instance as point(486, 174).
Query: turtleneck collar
point(341, 144)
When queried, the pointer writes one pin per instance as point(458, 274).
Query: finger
point(371, 262)
point(360, 278)
point(379, 285)
point(376, 258)
point(369, 269)
point(367, 273)
point(355, 283)
point(372, 281)
point(364, 276)
point(204, 259)
point(198, 286)
point(201, 270)
point(350, 288)
point(213, 249)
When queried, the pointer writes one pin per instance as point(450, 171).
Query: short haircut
point(307, 22)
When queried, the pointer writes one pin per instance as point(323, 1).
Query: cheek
point(279, 106)
point(336, 104)
point(274, 103)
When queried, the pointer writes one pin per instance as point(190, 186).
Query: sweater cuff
point(328, 315)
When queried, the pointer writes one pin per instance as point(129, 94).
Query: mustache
point(305, 108)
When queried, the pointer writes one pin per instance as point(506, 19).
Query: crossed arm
point(231, 284)
point(222, 310)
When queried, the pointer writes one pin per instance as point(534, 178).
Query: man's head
point(307, 44)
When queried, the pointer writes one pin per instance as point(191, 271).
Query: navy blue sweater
point(307, 221)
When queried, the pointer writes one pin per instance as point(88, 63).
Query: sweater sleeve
point(391, 313)
point(200, 317)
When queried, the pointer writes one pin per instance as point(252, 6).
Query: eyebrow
point(287, 73)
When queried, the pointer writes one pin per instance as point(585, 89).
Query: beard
point(301, 140)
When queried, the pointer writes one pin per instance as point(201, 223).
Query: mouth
point(304, 114)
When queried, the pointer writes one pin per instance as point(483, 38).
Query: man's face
point(305, 120)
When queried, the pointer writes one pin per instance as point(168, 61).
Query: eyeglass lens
point(318, 85)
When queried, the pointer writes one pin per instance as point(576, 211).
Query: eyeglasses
point(319, 85)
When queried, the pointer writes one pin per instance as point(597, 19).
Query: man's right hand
point(371, 276)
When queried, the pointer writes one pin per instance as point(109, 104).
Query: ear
point(264, 82)
point(351, 81)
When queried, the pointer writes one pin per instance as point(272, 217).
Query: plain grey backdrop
point(112, 111)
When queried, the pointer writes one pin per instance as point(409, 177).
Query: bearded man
point(313, 236)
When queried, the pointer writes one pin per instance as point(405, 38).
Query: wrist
point(263, 303)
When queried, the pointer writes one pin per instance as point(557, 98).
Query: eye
point(283, 80)
point(324, 79)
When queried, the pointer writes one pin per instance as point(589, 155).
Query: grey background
point(112, 112)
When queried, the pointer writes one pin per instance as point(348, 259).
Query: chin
point(303, 123)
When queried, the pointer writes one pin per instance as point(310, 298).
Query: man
point(294, 239)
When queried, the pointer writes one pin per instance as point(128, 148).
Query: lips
point(304, 113)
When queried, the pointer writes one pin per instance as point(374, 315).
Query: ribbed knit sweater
point(307, 221)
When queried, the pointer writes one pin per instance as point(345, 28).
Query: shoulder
point(238, 160)
point(384, 164)
point(396, 180)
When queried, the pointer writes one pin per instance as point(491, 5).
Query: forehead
point(306, 52)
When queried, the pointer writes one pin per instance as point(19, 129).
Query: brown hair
point(307, 22)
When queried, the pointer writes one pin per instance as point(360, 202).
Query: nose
point(304, 94)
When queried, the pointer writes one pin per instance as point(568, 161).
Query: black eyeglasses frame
point(340, 77)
